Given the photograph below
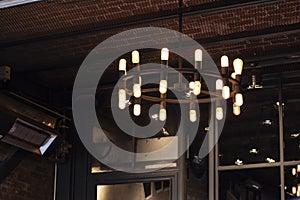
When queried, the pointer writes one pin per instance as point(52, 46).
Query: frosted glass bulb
point(135, 57)
point(137, 90)
point(226, 92)
point(162, 114)
point(198, 55)
point(219, 84)
point(122, 65)
point(238, 66)
point(137, 109)
point(197, 88)
point(219, 113)
point(163, 86)
point(294, 189)
point(122, 99)
point(239, 99)
point(294, 171)
point(236, 110)
point(233, 75)
point(164, 54)
point(193, 115)
point(298, 168)
point(192, 85)
point(224, 61)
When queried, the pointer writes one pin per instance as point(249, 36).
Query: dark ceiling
point(45, 43)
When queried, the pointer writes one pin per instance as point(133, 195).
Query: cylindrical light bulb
point(193, 115)
point(219, 84)
point(219, 113)
point(239, 99)
point(294, 171)
point(197, 88)
point(137, 109)
point(192, 85)
point(236, 110)
point(135, 57)
point(238, 66)
point(226, 92)
point(122, 99)
point(163, 86)
point(224, 61)
point(137, 90)
point(122, 65)
point(294, 190)
point(162, 114)
point(164, 54)
point(298, 168)
point(198, 55)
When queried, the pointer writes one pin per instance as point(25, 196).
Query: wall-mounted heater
point(27, 125)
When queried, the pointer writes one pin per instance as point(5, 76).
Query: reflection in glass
point(292, 131)
point(156, 190)
point(253, 136)
point(292, 182)
point(262, 184)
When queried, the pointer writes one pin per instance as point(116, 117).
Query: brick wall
point(32, 179)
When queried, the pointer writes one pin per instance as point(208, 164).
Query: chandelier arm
point(177, 101)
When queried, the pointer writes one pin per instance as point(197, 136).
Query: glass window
point(291, 118)
point(292, 182)
point(262, 184)
point(253, 136)
point(155, 190)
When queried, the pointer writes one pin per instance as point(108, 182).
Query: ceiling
point(45, 42)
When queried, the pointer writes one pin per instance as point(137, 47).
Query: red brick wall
point(32, 179)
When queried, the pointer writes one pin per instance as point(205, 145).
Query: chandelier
point(226, 87)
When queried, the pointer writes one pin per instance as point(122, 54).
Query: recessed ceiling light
point(238, 162)
point(270, 160)
point(11, 3)
point(253, 151)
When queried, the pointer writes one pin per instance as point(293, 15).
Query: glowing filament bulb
point(122, 65)
point(294, 171)
point(239, 99)
point(294, 189)
point(162, 114)
point(224, 61)
point(236, 109)
point(198, 55)
point(226, 92)
point(164, 54)
point(219, 113)
point(137, 90)
point(193, 115)
point(122, 99)
point(163, 86)
point(197, 88)
point(238, 66)
point(137, 109)
point(135, 57)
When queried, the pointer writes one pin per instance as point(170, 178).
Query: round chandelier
point(226, 87)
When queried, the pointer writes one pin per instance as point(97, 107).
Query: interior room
point(149, 100)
